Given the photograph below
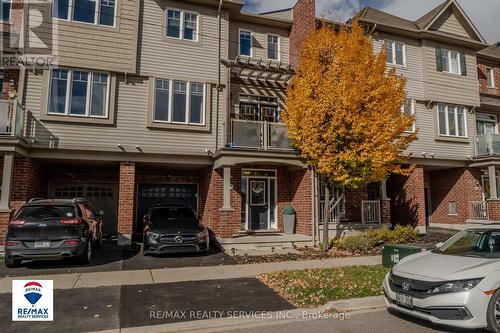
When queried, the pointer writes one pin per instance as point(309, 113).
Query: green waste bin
point(392, 254)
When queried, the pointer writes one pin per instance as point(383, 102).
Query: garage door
point(153, 194)
point(103, 196)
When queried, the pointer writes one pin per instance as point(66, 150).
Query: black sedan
point(174, 229)
point(53, 229)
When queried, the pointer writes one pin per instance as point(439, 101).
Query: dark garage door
point(103, 196)
point(153, 194)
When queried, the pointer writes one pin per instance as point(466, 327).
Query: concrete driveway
point(112, 257)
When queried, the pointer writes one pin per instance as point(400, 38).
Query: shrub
point(361, 242)
point(403, 235)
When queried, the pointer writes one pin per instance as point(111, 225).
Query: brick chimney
point(304, 23)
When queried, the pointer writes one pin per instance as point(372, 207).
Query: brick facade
point(126, 199)
point(407, 198)
point(304, 23)
point(483, 80)
point(458, 185)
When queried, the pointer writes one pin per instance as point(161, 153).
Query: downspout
point(217, 99)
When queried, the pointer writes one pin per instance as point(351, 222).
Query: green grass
point(313, 287)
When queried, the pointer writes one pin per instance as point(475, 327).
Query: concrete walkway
point(166, 275)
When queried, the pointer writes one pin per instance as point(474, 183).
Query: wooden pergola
point(269, 72)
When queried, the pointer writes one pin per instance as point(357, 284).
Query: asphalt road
point(374, 321)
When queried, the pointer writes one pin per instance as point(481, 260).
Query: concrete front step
point(269, 241)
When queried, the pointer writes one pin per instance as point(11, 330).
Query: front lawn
point(314, 287)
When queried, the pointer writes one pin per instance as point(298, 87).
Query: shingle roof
point(491, 51)
point(377, 16)
point(285, 14)
point(427, 18)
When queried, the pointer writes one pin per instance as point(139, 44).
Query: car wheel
point(494, 313)
point(11, 262)
point(86, 255)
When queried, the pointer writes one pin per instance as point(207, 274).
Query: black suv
point(174, 229)
point(53, 229)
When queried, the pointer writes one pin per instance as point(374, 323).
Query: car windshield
point(483, 243)
point(173, 217)
point(46, 213)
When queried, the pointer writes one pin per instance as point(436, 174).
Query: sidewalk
point(167, 275)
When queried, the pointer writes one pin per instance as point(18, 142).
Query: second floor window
point(273, 47)
point(179, 102)
point(490, 76)
point(100, 12)
point(451, 62)
point(395, 52)
point(451, 120)
point(182, 24)
point(4, 10)
point(408, 109)
point(79, 93)
point(245, 43)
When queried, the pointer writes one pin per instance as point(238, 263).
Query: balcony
point(488, 144)
point(12, 118)
point(260, 135)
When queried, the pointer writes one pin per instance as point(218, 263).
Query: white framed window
point(490, 77)
point(452, 120)
point(179, 102)
point(451, 62)
point(96, 12)
point(408, 108)
point(395, 52)
point(245, 43)
point(5, 7)
point(273, 47)
point(79, 93)
point(182, 24)
point(452, 208)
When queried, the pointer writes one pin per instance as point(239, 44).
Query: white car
point(457, 284)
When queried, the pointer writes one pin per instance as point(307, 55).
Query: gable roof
point(286, 14)
point(375, 16)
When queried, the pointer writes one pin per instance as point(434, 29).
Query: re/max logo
point(32, 311)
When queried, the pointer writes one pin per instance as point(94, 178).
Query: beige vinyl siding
point(83, 45)
point(428, 140)
point(169, 57)
point(129, 129)
point(259, 40)
point(413, 69)
point(449, 23)
point(446, 87)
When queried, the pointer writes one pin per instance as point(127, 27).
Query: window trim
point(97, 13)
point(447, 135)
point(413, 103)
point(278, 51)
point(448, 56)
point(491, 71)
point(10, 12)
point(188, 103)
point(450, 213)
point(181, 27)
point(393, 42)
point(69, 87)
point(239, 43)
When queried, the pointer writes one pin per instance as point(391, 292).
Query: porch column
point(493, 182)
point(226, 203)
point(383, 189)
point(8, 162)
point(126, 203)
point(385, 204)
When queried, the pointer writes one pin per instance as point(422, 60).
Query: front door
point(258, 204)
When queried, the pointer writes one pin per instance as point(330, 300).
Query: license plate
point(404, 300)
point(42, 244)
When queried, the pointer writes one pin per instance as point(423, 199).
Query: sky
point(485, 14)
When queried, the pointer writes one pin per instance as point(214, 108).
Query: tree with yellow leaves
point(343, 111)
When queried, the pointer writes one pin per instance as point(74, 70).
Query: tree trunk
point(326, 217)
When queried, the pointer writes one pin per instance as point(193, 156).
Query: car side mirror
point(438, 245)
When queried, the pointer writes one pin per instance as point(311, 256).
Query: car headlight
point(455, 286)
point(152, 235)
point(202, 234)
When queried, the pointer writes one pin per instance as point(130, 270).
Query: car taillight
point(72, 242)
point(71, 221)
point(17, 222)
point(12, 243)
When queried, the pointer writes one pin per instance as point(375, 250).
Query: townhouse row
point(180, 101)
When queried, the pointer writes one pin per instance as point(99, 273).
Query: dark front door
point(154, 194)
point(258, 205)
